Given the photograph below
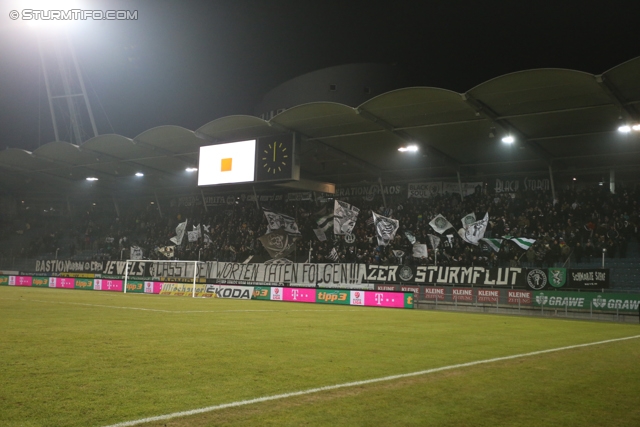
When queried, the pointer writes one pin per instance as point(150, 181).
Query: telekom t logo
point(294, 293)
point(379, 298)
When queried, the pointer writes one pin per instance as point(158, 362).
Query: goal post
point(194, 263)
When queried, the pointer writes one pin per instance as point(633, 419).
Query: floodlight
point(92, 178)
point(624, 129)
point(508, 139)
point(411, 148)
point(139, 174)
point(636, 127)
point(191, 169)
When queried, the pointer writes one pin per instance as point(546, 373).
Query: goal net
point(178, 277)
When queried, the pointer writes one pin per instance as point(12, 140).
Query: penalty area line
point(356, 383)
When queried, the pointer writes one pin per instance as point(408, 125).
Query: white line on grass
point(165, 311)
point(355, 383)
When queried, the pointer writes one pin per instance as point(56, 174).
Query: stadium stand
point(572, 232)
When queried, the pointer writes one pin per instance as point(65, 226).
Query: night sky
point(187, 63)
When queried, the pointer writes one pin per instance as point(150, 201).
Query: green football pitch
point(84, 358)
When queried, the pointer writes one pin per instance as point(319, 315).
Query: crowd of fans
point(578, 226)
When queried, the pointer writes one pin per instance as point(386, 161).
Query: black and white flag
point(344, 217)
point(385, 228)
point(398, 254)
point(278, 243)
point(440, 224)
point(475, 231)
point(450, 239)
point(333, 255)
point(167, 251)
point(277, 221)
point(205, 233)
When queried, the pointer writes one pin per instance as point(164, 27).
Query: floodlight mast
point(70, 87)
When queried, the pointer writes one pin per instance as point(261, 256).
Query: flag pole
point(384, 201)
point(256, 196)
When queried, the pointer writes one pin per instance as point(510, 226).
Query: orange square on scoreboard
point(226, 165)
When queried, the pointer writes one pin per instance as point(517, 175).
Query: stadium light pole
point(69, 77)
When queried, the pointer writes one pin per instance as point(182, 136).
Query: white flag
point(434, 240)
point(136, 252)
point(320, 234)
point(474, 232)
point(344, 217)
point(385, 228)
point(468, 220)
point(411, 237)
point(197, 230)
point(192, 236)
point(333, 256)
point(420, 250)
point(440, 224)
point(180, 229)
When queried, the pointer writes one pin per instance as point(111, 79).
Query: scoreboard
point(262, 160)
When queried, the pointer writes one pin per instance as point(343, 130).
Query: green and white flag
point(523, 242)
point(494, 244)
point(325, 222)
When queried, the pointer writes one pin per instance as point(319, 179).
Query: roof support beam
point(616, 97)
point(167, 153)
point(360, 164)
point(486, 111)
point(115, 159)
point(451, 162)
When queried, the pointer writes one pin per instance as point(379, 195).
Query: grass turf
point(74, 358)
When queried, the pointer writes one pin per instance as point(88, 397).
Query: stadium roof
point(564, 118)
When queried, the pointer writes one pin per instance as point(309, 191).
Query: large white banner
point(310, 274)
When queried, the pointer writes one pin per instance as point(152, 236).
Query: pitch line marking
point(355, 383)
point(166, 311)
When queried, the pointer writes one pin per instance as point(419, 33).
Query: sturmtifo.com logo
point(73, 15)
